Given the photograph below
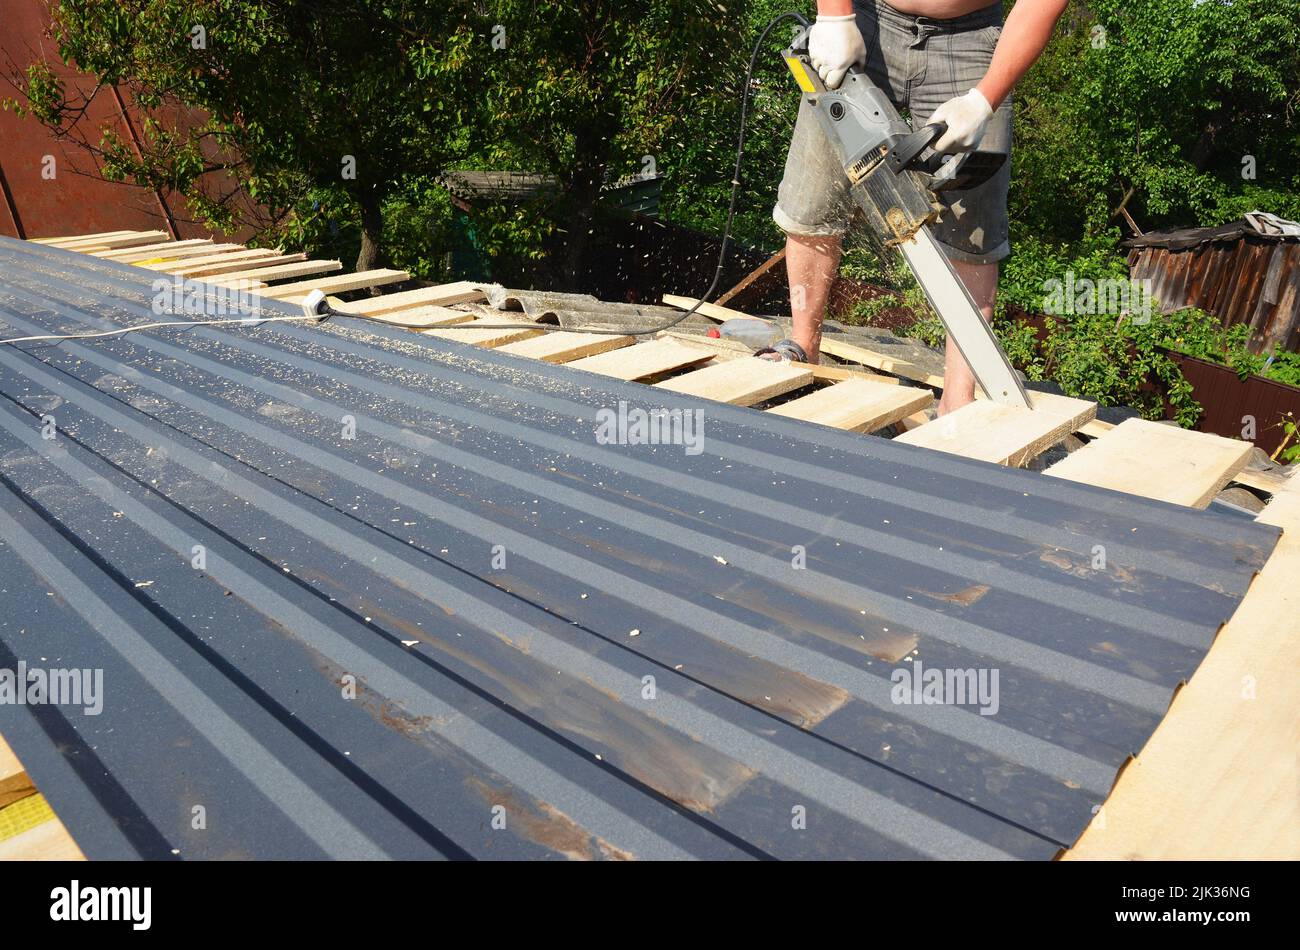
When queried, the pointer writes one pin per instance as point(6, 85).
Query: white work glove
point(834, 44)
point(967, 117)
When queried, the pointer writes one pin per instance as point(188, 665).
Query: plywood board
point(127, 239)
point(886, 364)
point(1006, 435)
point(238, 253)
point(161, 249)
point(484, 336)
point(226, 263)
point(1269, 482)
point(423, 317)
point(644, 359)
point(444, 295)
point(741, 382)
point(710, 310)
point(77, 238)
point(857, 405)
point(285, 271)
point(1157, 461)
point(333, 285)
point(1096, 429)
point(734, 349)
point(241, 283)
point(177, 257)
point(563, 346)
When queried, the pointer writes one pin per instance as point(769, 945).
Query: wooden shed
point(1244, 272)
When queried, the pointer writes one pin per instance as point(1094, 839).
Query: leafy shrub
point(1034, 264)
point(867, 261)
point(1285, 368)
point(929, 329)
point(866, 312)
point(1289, 450)
point(1117, 363)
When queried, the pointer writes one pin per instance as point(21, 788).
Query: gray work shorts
point(920, 63)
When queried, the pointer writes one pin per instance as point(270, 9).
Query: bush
point(1034, 264)
point(1289, 451)
point(1284, 367)
point(1117, 363)
point(866, 260)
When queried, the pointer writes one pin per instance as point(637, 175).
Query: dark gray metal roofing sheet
point(370, 559)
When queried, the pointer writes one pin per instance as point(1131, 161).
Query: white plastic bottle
point(751, 331)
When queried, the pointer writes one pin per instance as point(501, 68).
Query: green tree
point(1181, 111)
point(590, 92)
point(320, 108)
point(698, 188)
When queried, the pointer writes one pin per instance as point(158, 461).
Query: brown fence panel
point(1228, 401)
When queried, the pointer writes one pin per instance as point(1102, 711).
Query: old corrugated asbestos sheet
point(615, 650)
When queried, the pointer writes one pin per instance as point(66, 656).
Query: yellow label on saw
point(800, 74)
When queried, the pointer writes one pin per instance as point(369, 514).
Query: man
point(942, 60)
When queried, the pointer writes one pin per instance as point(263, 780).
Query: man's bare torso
point(940, 9)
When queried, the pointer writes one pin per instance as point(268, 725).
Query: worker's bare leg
point(811, 263)
point(959, 382)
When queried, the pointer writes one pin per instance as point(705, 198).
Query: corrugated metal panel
point(775, 582)
point(1229, 400)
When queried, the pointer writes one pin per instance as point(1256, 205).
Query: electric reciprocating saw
point(894, 175)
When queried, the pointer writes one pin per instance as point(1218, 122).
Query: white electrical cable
point(90, 335)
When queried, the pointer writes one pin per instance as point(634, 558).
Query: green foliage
point(1034, 264)
point(1125, 364)
point(1020, 341)
point(1289, 451)
point(867, 261)
point(290, 96)
point(700, 157)
point(418, 229)
point(1204, 337)
point(865, 313)
point(1284, 367)
point(929, 329)
point(592, 92)
point(1166, 99)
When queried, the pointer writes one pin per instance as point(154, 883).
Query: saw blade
point(965, 324)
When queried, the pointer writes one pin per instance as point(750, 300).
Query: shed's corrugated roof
point(329, 554)
point(1258, 226)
